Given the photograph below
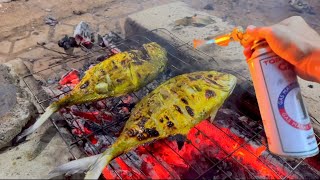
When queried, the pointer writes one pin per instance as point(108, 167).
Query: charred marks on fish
point(184, 101)
point(198, 88)
point(142, 122)
point(147, 133)
point(152, 132)
point(84, 85)
point(192, 78)
point(178, 109)
point(170, 124)
point(190, 111)
point(209, 94)
point(213, 82)
point(132, 132)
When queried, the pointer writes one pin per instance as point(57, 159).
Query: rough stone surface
point(12, 122)
point(44, 149)
point(35, 158)
point(16, 109)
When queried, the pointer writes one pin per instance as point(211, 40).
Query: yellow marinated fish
point(118, 75)
point(173, 108)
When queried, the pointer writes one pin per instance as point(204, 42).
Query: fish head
point(222, 81)
point(155, 51)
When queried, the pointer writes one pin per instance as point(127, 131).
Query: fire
point(206, 146)
point(70, 79)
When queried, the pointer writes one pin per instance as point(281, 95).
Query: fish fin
point(48, 112)
point(97, 168)
point(213, 115)
point(180, 139)
point(73, 167)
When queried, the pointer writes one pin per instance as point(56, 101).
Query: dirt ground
point(22, 21)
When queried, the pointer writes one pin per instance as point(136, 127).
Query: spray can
point(285, 118)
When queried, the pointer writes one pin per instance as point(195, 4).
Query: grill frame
point(178, 46)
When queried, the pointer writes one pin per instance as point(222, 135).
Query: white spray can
point(285, 118)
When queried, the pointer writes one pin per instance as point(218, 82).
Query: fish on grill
point(173, 108)
point(118, 75)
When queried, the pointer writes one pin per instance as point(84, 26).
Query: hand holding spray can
point(285, 118)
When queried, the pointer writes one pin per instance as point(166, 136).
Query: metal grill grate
point(182, 59)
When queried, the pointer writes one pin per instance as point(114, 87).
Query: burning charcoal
point(70, 79)
point(244, 119)
point(93, 116)
point(90, 149)
point(141, 93)
point(65, 88)
point(100, 104)
point(110, 40)
point(153, 85)
point(52, 80)
point(86, 66)
point(67, 42)
point(79, 129)
point(102, 58)
point(52, 92)
point(102, 142)
point(78, 123)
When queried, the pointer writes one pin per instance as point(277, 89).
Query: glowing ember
point(206, 146)
point(70, 79)
point(94, 116)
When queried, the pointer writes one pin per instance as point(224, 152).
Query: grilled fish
point(173, 108)
point(118, 75)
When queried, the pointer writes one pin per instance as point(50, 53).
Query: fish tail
point(95, 164)
point(97, 168)
point(73, 167)
point(48, 112)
